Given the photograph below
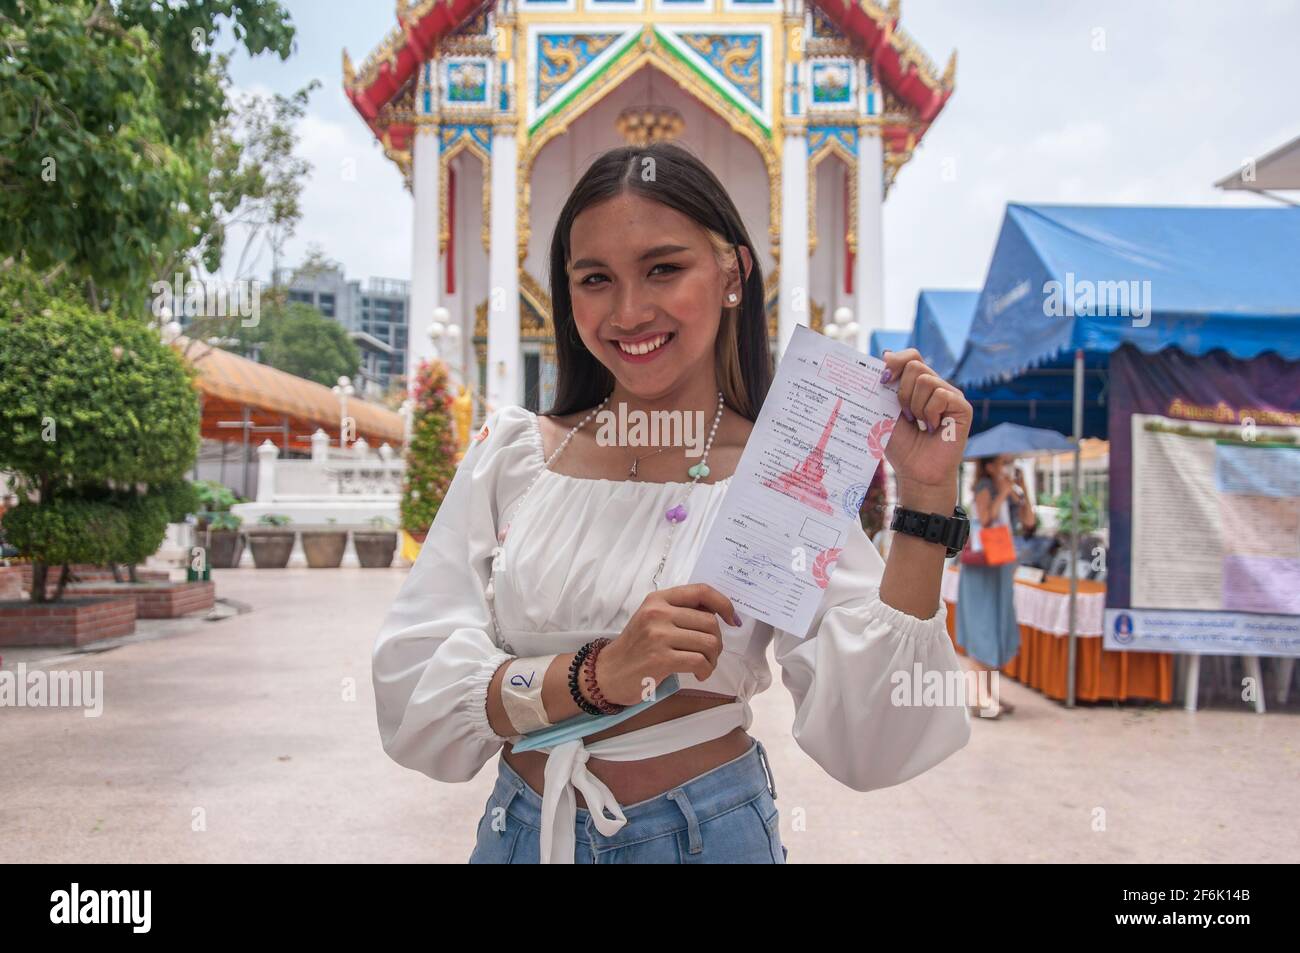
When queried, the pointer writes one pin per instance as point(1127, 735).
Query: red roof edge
point(421, 34)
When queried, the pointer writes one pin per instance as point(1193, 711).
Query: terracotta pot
point(225, 548)
point(271, 547)
point(418, 535)
point(375, 549)
point(324, 548)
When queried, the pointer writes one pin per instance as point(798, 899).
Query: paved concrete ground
point(239, 740)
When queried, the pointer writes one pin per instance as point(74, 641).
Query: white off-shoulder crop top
point(576, 564)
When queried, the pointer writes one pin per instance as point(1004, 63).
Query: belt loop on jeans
point(767, 768)
point(517, 788)
point(678, 797)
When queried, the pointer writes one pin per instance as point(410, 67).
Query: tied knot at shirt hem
point(566, 772)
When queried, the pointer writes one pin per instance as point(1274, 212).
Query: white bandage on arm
point(521, 693)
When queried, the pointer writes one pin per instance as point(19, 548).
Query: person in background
point(986, 612)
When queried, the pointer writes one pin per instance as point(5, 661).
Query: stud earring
point(731, 298)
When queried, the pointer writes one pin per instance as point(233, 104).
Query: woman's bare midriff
point(634, 781)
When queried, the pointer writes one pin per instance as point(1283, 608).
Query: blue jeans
point(726, 815)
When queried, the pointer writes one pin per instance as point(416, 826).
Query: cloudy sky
point(1065, 101)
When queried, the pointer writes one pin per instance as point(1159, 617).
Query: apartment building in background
point(375, 316)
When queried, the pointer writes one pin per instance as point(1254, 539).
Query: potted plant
point(225, 543)
point(270, 542)
point(375, 548)
point(217, 528)
point(324, 548)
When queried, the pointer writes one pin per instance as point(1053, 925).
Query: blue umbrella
point(1017, 441)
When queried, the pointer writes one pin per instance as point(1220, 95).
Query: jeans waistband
point(728, 786)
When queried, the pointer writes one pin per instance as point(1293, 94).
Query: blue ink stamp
point(854, 496)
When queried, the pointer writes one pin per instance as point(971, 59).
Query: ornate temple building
point(804, 109)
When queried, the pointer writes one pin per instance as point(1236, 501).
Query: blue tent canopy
point(943, 320)
point(1094, 277)
point(1017, 441)
point(1041, 398)
point(1044, 397)
point(888, 340)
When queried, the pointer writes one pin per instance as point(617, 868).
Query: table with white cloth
point(1043, 613)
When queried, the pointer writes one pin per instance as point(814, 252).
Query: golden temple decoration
point(533, 292)
point(349, 74)
point(796, 41)
point(463, 143)
point(833, 146)
point(462, 411)
point(647, 53)
point(402, 157)
point(643, 125)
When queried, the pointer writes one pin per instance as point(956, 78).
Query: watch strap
point(950, 532)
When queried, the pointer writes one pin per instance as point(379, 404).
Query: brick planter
point(154, 600)
point(66, 622)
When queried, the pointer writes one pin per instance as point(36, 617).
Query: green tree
point(94, 409)
point(304, 342)
point(109, 119)
point(431, 454)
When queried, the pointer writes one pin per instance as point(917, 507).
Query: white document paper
point(801, 482)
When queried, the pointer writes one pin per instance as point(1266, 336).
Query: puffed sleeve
point(436, 651)
point(853, 680)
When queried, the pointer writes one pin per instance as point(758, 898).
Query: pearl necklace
point(674, 514)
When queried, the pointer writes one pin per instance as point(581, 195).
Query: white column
point(425, 262)
point(320, 446)
point(266, 457)
point(793, 292)
point(869, 263)
point(503, 370)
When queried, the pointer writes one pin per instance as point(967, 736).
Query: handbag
point(972, 554)
point(999, 549)
point(973, 557)
point(989, 546)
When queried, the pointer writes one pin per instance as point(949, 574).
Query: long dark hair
point(680, 181)
point(984, 468)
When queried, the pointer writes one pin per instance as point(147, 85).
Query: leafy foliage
point(86, 395)
point(66, 531)
point(99, 420)
point(214, 497)
point(108, 114)
point(307, 344)
point(1089, 513)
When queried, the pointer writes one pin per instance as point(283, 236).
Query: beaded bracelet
point(574, 667)
point(589, 672)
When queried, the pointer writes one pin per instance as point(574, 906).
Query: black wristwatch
point(949, 531)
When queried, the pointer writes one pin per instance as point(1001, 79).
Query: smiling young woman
point(554, 583)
